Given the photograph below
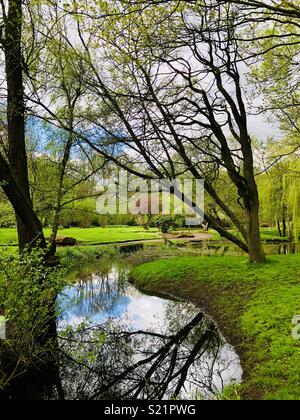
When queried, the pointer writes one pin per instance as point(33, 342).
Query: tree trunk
point(284, 225)
point(22, 206)
point(279, 228)
point(256, 252)
point(251, 202)
point(16, 112)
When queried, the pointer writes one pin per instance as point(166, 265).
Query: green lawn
point(8, 236)
point(254, 307)
point(113, 234)
point(91, 235)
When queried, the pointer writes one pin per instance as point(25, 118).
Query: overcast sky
point(262, 129)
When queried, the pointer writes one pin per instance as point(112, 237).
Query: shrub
point(165, 223)
point(28, 291)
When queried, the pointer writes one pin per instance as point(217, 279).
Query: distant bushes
point(83, 215)
point(7, 216)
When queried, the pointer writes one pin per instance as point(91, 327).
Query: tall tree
point(169, 82)
point(29, 227)
point(55, 93)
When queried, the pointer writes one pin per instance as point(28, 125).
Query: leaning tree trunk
point(16, 112)
point(22, 207)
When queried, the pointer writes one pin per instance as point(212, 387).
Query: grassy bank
point(254, 307)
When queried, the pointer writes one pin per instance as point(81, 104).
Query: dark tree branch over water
point(142, 364)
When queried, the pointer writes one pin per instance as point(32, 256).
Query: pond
point(226, 248)
point(119, 343)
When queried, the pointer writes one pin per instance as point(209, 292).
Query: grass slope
point(254, 307)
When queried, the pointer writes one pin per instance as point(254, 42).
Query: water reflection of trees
point(113, 363)
point(96, 293)
point(183, 354)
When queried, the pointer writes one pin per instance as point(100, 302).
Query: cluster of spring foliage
point(28, 291)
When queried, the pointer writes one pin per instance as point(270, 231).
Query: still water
point(226, 248)
point(118, 343)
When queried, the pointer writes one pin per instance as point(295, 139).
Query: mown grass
point(92, 235)
point(254, 306)
point(112, 234)
point(8, 236)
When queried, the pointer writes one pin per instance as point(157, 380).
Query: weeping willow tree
point(291, 188)
point(273, 202)
point(280, 198)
